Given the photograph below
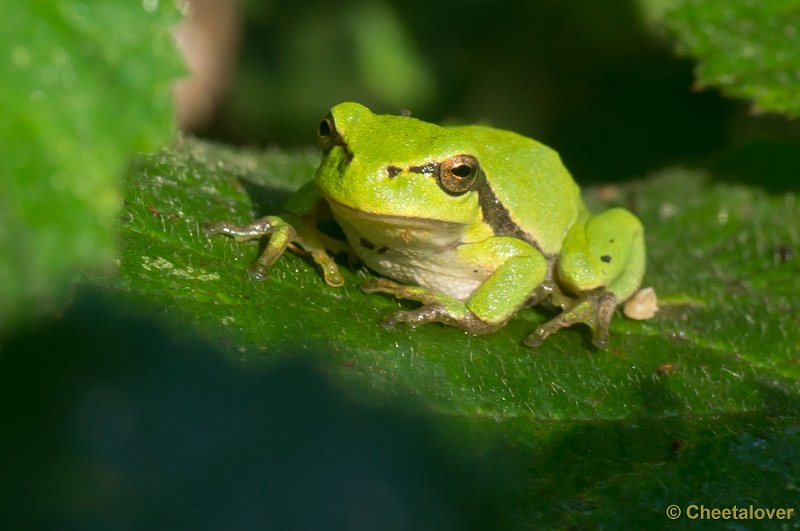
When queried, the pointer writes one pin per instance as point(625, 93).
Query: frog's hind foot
point(436, 308)
point(437, 313)
point(594, 309)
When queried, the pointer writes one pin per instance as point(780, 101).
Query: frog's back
point(534, 189)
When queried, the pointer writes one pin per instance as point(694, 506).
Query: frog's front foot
point(436, 307)
point(594, 309)
point(282, 235)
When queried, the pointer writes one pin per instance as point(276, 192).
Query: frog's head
point(397, 166)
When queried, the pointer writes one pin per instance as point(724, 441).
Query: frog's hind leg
point(436, 307)
point(521, 269)
point(601, 265)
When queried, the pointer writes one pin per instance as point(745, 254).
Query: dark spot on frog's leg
point(611, 240)
point(382, 250)
point(606, 258)
point(392, 171)
point(366, 244)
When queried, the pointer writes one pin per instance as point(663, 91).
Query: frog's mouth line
point(392, 220)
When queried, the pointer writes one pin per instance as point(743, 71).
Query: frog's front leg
point(601, 264)
point(289, 230)
point(518, 270)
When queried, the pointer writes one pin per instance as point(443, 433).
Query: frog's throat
point(393, 220)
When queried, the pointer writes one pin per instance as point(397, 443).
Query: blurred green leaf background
point(146, 381)
point(81, 94)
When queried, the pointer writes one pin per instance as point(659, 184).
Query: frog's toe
point(536, 338)
point(600, 337)
point(419, 316)
point(226, 228)
point(380, 285)
point(213, 227)
point(258, 272)
point(258, 228)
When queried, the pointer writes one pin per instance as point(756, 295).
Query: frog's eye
point(326, 133)
point(458, 175)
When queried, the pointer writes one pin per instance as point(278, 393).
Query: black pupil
point(462, 170)
point(324, 128)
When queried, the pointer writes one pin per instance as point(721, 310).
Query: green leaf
point(748, 48)
point(681, 405)
point(85, 85)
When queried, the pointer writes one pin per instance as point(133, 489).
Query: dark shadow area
point(591, 79)
point(777, 402)
point(652, 462)
point(772, 165)
point(109, 423)
point(658, 398)
point(266, 200)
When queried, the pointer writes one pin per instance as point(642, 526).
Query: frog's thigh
point(520, 270)
point(606, 250)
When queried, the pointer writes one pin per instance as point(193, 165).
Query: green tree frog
point(472, 222)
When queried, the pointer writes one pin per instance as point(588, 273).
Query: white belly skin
point(413, 252)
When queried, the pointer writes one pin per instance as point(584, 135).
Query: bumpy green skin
point(473, 222)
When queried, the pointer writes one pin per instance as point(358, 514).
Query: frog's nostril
point(393, 171)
